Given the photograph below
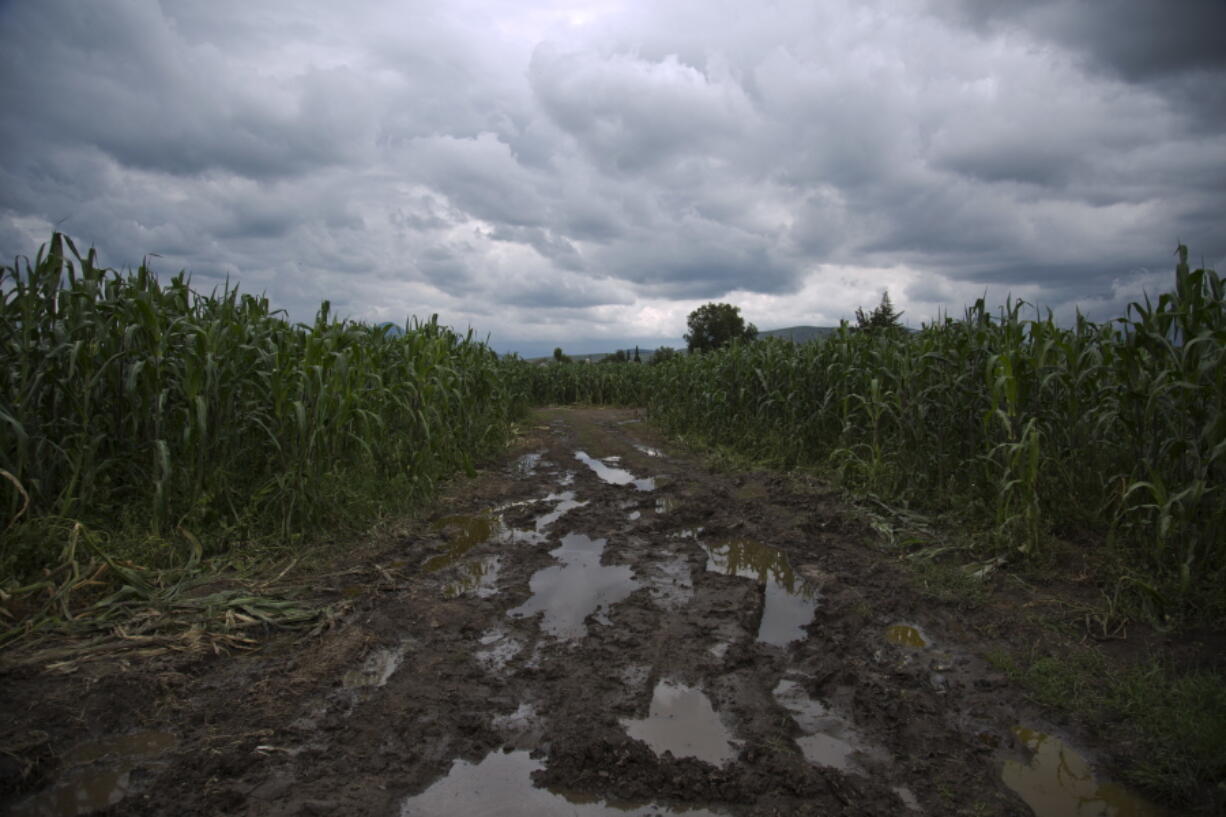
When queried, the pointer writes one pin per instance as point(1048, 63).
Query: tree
point(662, 354)
point(559, 356)
point(619, 356)
point(715, 325)
point(881, 319)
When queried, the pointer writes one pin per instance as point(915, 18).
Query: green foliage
point(559, 356)
point(1113, 433)
point(619, 356)
point(882, 319)
point(133, 406)
point(713, 326)
point(664, 353)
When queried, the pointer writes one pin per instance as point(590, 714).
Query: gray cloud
point(585, 173)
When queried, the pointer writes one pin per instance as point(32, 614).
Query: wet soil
point(598, 625)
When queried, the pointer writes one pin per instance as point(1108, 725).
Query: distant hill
point(799, 334)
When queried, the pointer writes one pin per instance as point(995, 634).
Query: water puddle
point(526, 465)
point(499, 650)
point(908, 798)
point(501, 784)
point(1057, 782)
point(95, 789)
point(581, 586)
point(670, 584)
point(682, 721)
point(790, 599)
point(564, 502)
point(828, 739)
point(649, 451)
point(905, 635)
point(467, 533)
point(479, 578)
point(666, 505)
point(378, 667)
point(615, 476)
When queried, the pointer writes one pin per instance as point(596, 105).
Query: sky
point(584, 174)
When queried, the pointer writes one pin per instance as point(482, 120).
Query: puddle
point(378, 667)
point(670, 583)
point(581, 586)
point(615, 476)
point(682, 721)
point(565, 502)
point(1057, 782)
point(908, 798)
point(478, 577)
point(498, 652)
point(142, 743)
point(85, 792)
point(526, 465)
point(906, 635)
point(501, 784)
point(828, 739)
point(468, 532)
point(666, 505)
point(790, 600)
point(649, 451)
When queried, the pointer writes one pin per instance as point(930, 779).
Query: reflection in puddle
point(142, 743)
point(378, 667)
point(828, 739)
point(670, 583)
point(905, 636)
point(84, 795)
point(615, 476)
point(498, 652)
point(682, 721)
point(1057, 782)
point(525, 466)
point(96, 789)
point(565, 502)
point(908, 798)
point(468, 532)
point(501, 784)
point(790, 599)
point(478, 577)
point(581, 586)
point(666, 505)
point(649, 451)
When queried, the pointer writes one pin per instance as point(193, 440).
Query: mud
point(598, 625)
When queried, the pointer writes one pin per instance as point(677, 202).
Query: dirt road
point(601, 625)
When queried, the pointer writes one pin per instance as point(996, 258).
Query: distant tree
point(559, 356)
point(881, 319)
point(619, 356)
point(662, 354)
point(637, 359)
point(715, 325)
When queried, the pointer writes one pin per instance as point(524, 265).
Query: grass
point(1171, 723)
point(147, 425)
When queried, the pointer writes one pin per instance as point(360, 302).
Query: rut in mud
point(601, 626)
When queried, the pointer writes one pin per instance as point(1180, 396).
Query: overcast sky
point(585, 174)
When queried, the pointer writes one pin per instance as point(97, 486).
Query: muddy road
point(600, 625)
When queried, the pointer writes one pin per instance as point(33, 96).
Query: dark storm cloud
point(594, 170)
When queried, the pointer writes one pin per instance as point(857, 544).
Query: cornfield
point(140, 411)
point(157, 413)
point(1111, 435)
